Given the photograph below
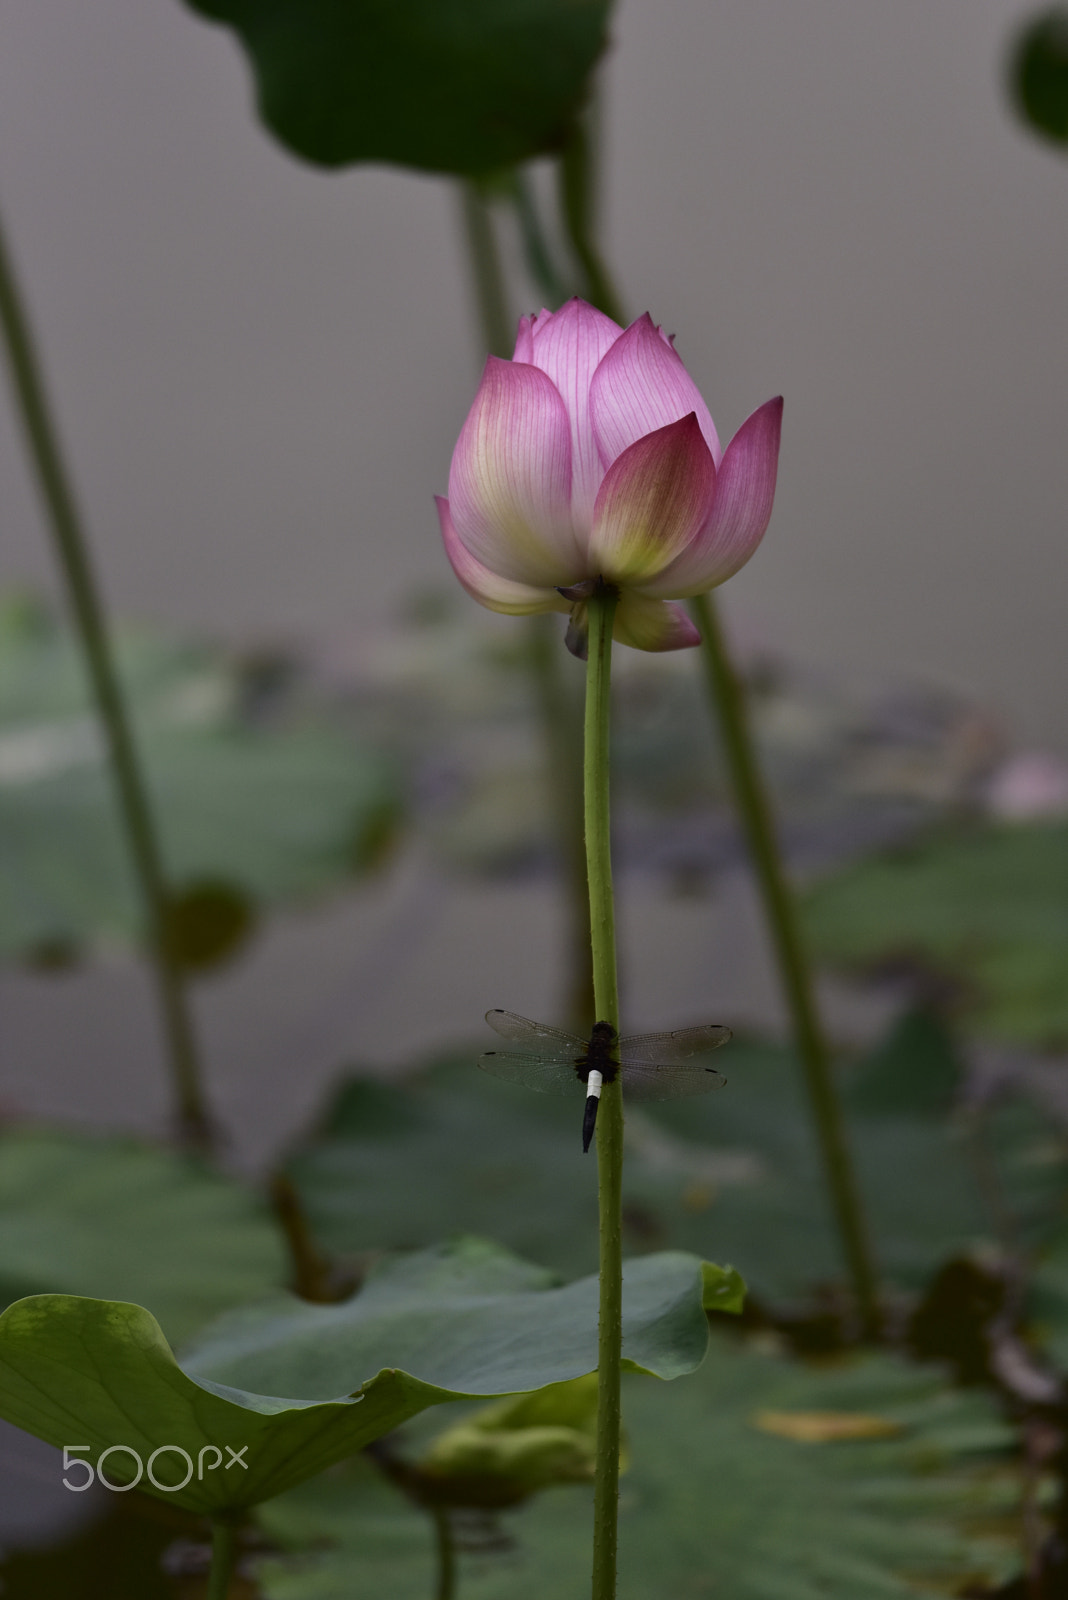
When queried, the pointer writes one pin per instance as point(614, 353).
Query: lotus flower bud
point(591, 460)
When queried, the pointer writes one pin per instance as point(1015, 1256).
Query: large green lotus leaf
point(1038, 74)
point(712, 1502)
point(303, 1386)
point(274, 807)
point(460, 86)
point(120, 1220)
point(988, 908)
point(733, 1175)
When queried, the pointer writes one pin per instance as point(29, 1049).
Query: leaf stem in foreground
point(560, 719)
point(72, 550)
point(781, 913)
point(223, 1558)
point(610, 1116)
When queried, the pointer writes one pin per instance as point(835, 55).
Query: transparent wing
point(665, 1048)
point(663, 1080)
point(547, 1074)
point(551, 1044)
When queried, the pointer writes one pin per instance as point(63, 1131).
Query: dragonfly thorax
point(599, 1054)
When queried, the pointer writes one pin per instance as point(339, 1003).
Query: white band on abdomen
point(593, 1084)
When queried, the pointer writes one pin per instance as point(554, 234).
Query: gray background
point(261, 369)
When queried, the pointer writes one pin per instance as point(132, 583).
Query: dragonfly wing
point(665, 1048)
point(553, 1044)
point(547, 1074)
point(663, 1080)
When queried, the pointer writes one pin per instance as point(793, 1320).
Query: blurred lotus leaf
point(1038, 74)
point(462, 86)
point(734, 1174)
point(463, 1321)
point(985, 908)
point(711, 1502)
point(115, 1219)
point(463, 707)
point(261, 799)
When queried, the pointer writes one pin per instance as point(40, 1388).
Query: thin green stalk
point(610, 1115)
point(781, 913)
point(536, 251)
point(446, 1547)
point(486, 271)
point(72, 550)
point(223, 1558)
point(560, 724)
point(577, 200)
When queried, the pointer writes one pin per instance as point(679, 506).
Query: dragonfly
point(654, 1066)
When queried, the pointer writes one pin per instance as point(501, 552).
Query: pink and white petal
point(741, 509)
point(510, 479)
point(489, 589)
point(524, 341)
point(568, 345)
point(655, 499)
point(649, 624)
point(640, 385)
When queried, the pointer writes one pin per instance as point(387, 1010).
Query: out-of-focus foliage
point(984, 908)
point(461, 706)
point(301, 1386)
point(1038, 74)
point(260, 799)
point(711, 1501)
point(461, 86)
point(735, 1174)
point(118, 1220)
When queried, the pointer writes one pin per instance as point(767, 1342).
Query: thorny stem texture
point(72, 550)
point(610, 1116)
point(781, 914)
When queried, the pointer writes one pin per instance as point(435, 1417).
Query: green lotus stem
point(446, 1548)
point(72, 550)
point(536, 251)
point(559, 719)
point(780, 910)
point(577, 179)
point(490, 296)
point(223, 1558)
point(610, 1114)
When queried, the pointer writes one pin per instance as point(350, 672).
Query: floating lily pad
point(253, 810)
point(459, 86)
point(718, 1498)
point(120, 1220)
point(986, 908)
point(734, 1175)
point(470, 1320)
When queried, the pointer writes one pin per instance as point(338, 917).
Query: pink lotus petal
point(496, 593)
point(524, 341)
point(654, 501)
point(568, 345)
point(649, 624)
point(741, 509)
point(510, 479)
point(640, 385)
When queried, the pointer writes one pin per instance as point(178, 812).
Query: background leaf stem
point(135, 809)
